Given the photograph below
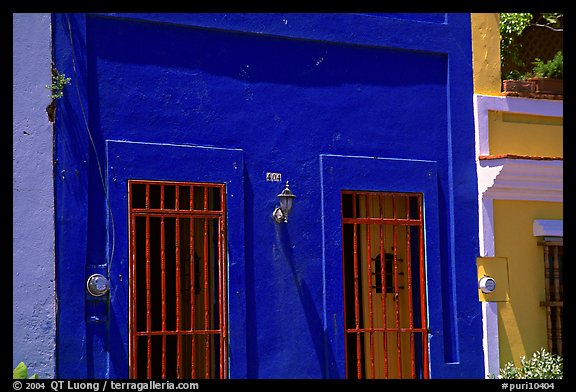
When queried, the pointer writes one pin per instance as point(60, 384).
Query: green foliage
point(511, 27)
point(542, 364)
point(550, 69)
point(59, 81)
point(21, 372)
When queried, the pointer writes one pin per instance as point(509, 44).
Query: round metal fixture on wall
point(97, 285)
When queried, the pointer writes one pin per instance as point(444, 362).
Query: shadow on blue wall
point(261, 59)
point(324, 355)
point(251, 305)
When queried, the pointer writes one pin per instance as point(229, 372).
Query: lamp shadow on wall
point(324, 353)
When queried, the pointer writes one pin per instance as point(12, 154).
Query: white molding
point(521, 179)
point(511, 179)
point(548, 228)
point(485, 103)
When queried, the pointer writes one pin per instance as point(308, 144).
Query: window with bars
point(554, 304)
point(178, 316)
point(384, 297)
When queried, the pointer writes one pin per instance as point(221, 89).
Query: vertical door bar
point(148, 299)
point(133, 296)
point(224, 280)
point(163, 287)
point(383, 286)
point(206, 291)
point(177, 196)
point(357, 297)
point(133, 326)
point(192, 288)
point(220, 302)
point(222, 290)
point(177, 258)
point(369, 282)
point(177, 261)
point(422, 276)
point(409, 289)
point(206, 294)
point(163, 283)
point(396, 289)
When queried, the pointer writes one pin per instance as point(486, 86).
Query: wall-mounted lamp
point(286, 197)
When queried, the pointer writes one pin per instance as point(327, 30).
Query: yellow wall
point(522, 321)
point(486, 53)
point(513, 133)
point(509, 133)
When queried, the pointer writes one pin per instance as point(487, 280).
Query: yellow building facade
point(519, 156)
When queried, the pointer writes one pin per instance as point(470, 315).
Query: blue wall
point(33, 317)
point(229, 97)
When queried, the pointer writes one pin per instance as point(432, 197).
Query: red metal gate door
point(384, 285)
point(178, 323)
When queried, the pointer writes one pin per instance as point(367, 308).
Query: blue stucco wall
point(266, 93)
point(33, 310)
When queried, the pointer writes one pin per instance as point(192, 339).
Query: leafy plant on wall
point(512, 26)
point(56, 87)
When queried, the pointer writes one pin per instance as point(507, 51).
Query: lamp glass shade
point(286, 203)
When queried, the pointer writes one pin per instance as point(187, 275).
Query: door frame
point(135, 160)
point(338, 173)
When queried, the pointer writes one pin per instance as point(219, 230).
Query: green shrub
point(550, 69)
point(21, 372)
point(542, 364)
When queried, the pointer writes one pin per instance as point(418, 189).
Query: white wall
point(34, 325)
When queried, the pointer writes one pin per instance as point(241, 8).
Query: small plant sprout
point(59, 81)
